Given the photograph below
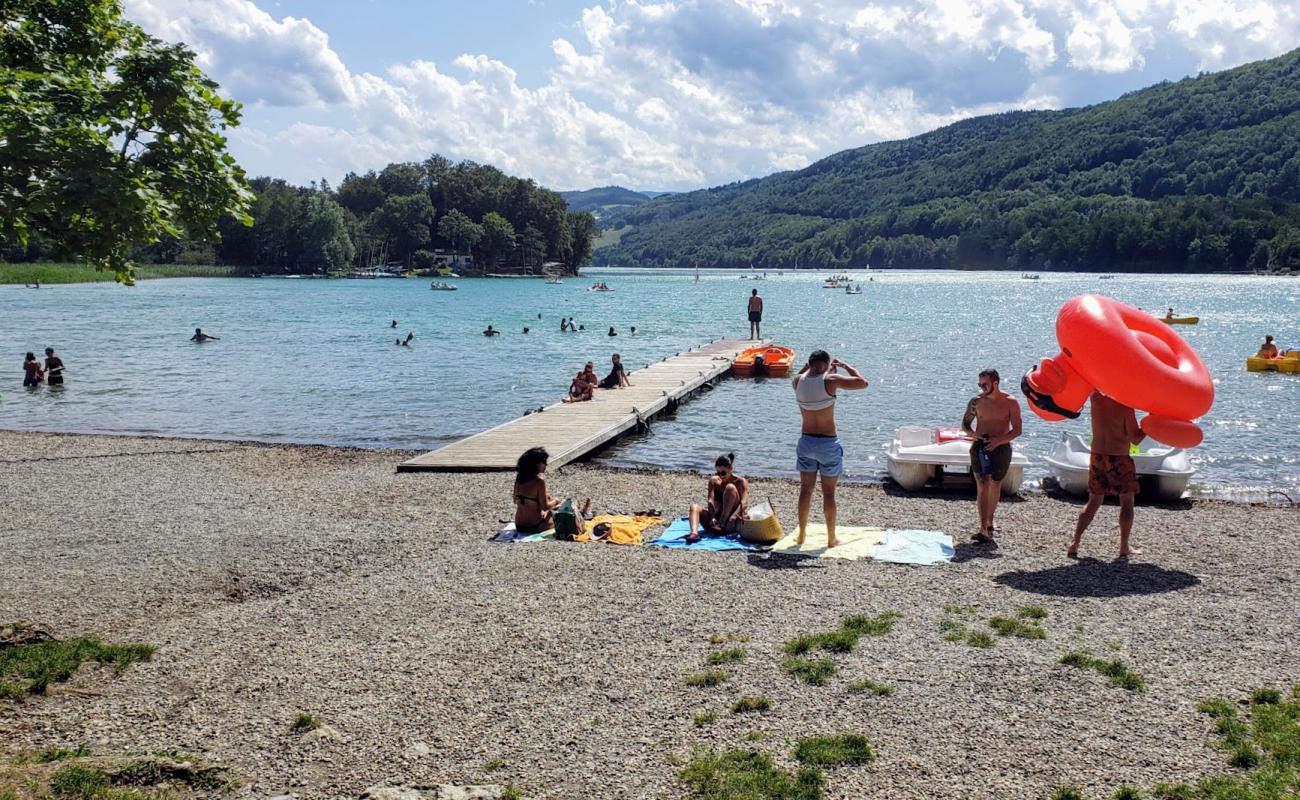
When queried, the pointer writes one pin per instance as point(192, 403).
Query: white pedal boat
point(917, 454)
point(1163, 472)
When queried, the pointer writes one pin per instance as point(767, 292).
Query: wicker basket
point(762, 527)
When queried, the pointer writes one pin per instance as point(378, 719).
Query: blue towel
point(675, 536)
point(914, 547)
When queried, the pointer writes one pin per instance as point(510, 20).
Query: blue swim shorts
point(822, 454)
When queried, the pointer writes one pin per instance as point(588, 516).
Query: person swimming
point(525, 329)
point(612, 332)
point(491, 331)
point(394, 323)
point(200, 337)
point(407, 341)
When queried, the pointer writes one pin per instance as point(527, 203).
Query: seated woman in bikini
point(727, 498)
point(534, 508)
point(583, 385)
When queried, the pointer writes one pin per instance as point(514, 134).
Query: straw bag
point(762, 527)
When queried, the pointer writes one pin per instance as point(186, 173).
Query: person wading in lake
point(200, 337)
point(32, 372)
point(993, 418)
point(819, 451)
point(1111, 469)
point(755, 315)
point(53, 368)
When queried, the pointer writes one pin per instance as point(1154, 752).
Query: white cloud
point(682, 93)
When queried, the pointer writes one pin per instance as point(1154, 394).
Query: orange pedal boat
point(770, 359)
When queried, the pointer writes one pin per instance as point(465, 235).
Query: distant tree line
point(400, 214)
point(1198, 175)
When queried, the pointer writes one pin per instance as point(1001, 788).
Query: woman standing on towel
point(726, 500)
point(534, 508)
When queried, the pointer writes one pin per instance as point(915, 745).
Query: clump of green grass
point(493, 764)
point(800, 645)
point(838, 641)
point(846, 637)
point(833, 751)
point(754, 736)
point(1031, 612)
point(31, 668)
point(952, 631)
point(750, 775)
point(1265, 696)
point(1126, 793)
point(878, 625)
point(1006, 626)
point(866, 685)
point(717, 638)
point(705, 718)
point(303, 722)
point(79, 782)
point(53, 754)
point(815, 672)
point(729, 656)
point(1117, 671)
point(709, 677)
point(512, 792)
point(750, 705)
point(1067, 793)
point(980, 639)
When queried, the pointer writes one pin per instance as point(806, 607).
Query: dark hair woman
point(32, 370)
point(617, 377)
point(534, 507)
point(727, 497)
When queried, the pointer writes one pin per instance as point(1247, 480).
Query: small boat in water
point(1168, 320)
point(1163, 472)
point(918, 454)
point(770, 359)
point(599, 287)
point(851, 289)
point(442, 286)
point(1287, 361)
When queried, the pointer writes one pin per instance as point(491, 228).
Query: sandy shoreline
point(277, 579)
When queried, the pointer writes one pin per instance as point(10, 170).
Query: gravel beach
point(275, 580)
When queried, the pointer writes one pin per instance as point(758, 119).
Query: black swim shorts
point(999, 461)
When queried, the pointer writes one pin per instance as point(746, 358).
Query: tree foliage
point(1192, 175)
point(110, 139)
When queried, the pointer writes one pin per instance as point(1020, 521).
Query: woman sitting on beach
point(534, 508)
point(727, 498)
point(584, 383)
point(617, 377)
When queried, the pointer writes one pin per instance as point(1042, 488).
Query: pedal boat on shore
point(772, 359)
point(1163, 472)
point(918, 454)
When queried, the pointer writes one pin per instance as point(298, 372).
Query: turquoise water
point(314, 361)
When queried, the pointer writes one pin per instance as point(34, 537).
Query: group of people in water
point(992, 419)
point(50, 371)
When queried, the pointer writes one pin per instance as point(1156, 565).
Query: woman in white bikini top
point(811, 394)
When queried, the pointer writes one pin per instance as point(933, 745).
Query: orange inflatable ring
point(1127, 355)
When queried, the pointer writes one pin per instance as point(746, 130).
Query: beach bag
point(568, 525)
point(762, 527)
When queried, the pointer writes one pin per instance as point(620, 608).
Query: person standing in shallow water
point(993, 418)
point(53, 368)
point(1110, 469)
point(755, 315)
point(32, 372)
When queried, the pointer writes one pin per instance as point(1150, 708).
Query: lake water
point(313, 361)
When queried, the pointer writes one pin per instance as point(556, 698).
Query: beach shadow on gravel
point(970, 551)
point(1090, 577)
point(783, 561)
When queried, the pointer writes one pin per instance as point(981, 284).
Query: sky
point(672, 94)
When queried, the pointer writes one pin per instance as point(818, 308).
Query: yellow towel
point(623, 529)
point(851, 542)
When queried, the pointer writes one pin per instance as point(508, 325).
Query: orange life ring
point(1127, 355)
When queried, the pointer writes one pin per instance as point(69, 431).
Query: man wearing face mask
point(993, 418)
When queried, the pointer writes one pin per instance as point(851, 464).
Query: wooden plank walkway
point(570, 431)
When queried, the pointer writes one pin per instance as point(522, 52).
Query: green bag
point(568, 525)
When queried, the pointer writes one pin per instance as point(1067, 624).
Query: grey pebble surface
point(280, 579)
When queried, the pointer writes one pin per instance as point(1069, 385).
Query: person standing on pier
point(755, 315)
point(819, 451)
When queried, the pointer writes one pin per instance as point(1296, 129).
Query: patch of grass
point(1117, 671)
point(41, 663)
point(709, 677)
point(878, 625)
point(811, 671)
point(1031, 612)
point(79, 782)
point(705, 718)
point(748, 775)
point(1067, 793)
point(833, 751)
point(981, 639)
point(512, 792)
point(754, 736)
point(1006, 626)
point(952, 631)
point(870, 686)
point(729, 656)
point(750, 705)
point(53, 754)
point(838, 641)
point(493, 764)
point(800, 645)
point(1265, 696)
point(1126, 793)
point(303, 722)
point(717, 638)
point(1116, 646)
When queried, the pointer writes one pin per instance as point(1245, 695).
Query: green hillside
point(1198, 175)
point(604, 199)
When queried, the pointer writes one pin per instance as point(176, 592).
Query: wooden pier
point(570, 431)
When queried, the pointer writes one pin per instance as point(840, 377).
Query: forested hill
point(603, 200)
point(1202, 174)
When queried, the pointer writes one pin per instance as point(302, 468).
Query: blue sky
point(673, 94)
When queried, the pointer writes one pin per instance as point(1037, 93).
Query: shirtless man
point(1268, 349)
point(1111, 469)
point(755, 315)
point(201, 337)
point(819, 451)
point(993, 418)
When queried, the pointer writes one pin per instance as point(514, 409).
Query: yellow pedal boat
point(1286, 362)
point(1180, 320)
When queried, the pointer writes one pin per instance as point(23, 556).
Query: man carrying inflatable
point(993, 418)
point(1111, 469)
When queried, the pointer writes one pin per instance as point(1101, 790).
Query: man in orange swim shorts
point(1111, 469)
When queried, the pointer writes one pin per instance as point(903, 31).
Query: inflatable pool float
point(1288, 361)
point(772, 359)
point(1129, 356)
point(1163, 472)
point(1180, 320)
point(918, 454)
